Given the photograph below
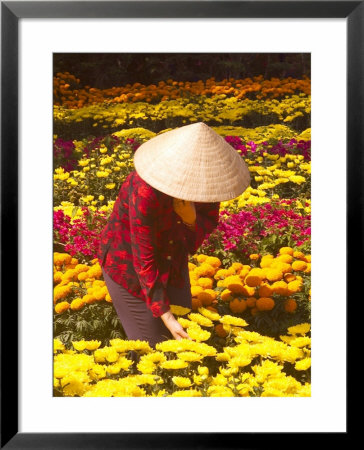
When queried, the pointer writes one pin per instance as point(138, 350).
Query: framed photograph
point(36, 39)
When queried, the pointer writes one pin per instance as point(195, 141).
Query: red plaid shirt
point(145, 243)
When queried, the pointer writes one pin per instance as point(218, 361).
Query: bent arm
point(142, 214)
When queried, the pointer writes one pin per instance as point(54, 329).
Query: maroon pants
point(137, 319)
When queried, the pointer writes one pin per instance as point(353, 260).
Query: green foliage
point(97, 321)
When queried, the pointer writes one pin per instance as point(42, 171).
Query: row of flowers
point(68, 90)
point(278, 171)
point(262, 228)
point(248, 365)
point(268, 288)
point(66, 153)
point(172, 113)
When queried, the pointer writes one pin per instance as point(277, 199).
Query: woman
point(165, 209)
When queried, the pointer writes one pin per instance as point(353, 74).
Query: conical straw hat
point(192, 163)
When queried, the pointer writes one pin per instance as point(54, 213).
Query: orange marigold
point(266, 261)
point(285, 257)
point(286, 250)
point(77, 304)
point(236, 266)
point(254, 277)
point(288, 277)
point(196, 303)
point(61, 307)
point(308, 270)
point(290, 305)
point(294, 286)
point(281, 266)
point(237, 306)
point(299, 265)
point(221, 274)
point(248, 291)
point(280, 287)
point(265, 290)
point(234, 284)
point(195, 290)
point(274, 274)
point(205, 283)
point(219, 330)
point(206, 297)
point(226, 295)
point(250, 302)
point(57, 277)
point(88, 298)
point(265, 303)
point(201, 258)
point(213, 261)
point(299, 255)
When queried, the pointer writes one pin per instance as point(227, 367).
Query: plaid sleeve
point(142, 213)
point(207, 218)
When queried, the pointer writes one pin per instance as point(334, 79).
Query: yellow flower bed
point(268, 172)
point(218, 108)
point(99, 173)
point(252, 365)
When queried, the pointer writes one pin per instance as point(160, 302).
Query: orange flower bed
point(69, 93)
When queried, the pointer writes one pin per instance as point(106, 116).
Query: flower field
point(250, 279)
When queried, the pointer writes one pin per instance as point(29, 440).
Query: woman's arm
point(143, 207)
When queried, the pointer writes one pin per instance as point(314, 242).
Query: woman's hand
point(185, 209)
point(174, 326)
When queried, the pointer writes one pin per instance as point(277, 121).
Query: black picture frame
point(11, 12)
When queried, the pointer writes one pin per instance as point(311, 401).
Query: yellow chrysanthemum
point(182, 382)
point(209, 314)
point(58, 345)
point(232, 320)
point(219, 391)
point(174, 364)
point(200, 319)
point(189, 356)
point(187, 393)
point(179, 310)
point(303, 364)
point(198, 334)
point(302, 328)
